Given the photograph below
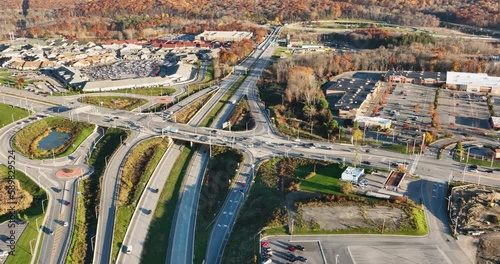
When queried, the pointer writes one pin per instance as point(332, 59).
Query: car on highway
point(489, 171)
point(366, 162)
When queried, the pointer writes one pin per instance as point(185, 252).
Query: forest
point(143, 18)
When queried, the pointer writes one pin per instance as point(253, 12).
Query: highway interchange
point(257, 144)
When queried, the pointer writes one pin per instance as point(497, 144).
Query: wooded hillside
point(92, 18)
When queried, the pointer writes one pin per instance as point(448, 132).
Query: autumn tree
point(346, 187)
point(301, 86)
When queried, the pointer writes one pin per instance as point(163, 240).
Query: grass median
point(137, 169)
point(218, 107)
point(29, 215)
point(220, 169)
point(157, 240)
point(153, 91)
point(10, 114)
point(114, 102)
point(86, 219)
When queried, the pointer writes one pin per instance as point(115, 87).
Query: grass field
point(137, 170)
point(114, 102)
point(7, 113)
point(26, 140)
point(326, 180)
point(184, 115)
point(153, 91)
point(157, 240)
point(225, 98)
point(22, 251)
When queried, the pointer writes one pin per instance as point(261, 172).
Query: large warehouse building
point(224, 36)
point(473, 82)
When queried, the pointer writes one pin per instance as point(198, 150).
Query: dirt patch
point(477, 209)
point(22, 199)
point(489, 249)
point(346, 217)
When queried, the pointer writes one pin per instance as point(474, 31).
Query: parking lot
point(408, 104)
point(463, 109)
point(279, 247)
point(124, 70)
point(359, 249)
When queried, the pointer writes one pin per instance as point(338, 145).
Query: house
point(352, 174)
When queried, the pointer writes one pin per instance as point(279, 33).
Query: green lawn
point(7, 113)
point(114, 102)
point(326, 180)
point(482, 163)
point(22, 251)
point(153, 91)
point(157, 240)
point(401, 148)
point(225, 98)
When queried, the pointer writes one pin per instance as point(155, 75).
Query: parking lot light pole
point(43, 208)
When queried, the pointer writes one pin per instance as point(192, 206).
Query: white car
point(65, 224)
point(3, 253)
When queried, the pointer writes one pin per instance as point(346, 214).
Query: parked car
point(265, 243)
point(292, 248)
point(65, 224)
point(300, 258)
point(299, 247)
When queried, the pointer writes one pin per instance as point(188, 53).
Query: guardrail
point(167, 152)
point(116, 189)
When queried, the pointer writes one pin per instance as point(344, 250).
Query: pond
point(54, 139)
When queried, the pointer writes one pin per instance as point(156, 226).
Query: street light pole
point(43, 208)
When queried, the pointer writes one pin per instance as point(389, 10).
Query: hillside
point(102, 19)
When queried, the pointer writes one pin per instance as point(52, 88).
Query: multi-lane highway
point(257, 144)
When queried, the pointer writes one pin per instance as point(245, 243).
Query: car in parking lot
point(299, 247)
point(65, 224)
point(291, 257)
point(300, 258)
point(291, 248)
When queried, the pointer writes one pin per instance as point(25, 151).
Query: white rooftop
point(472, 78)
point(353, 171)
point(370, 119)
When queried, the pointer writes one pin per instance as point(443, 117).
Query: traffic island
point(70, 172)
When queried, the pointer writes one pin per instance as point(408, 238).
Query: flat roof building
point(224, 36)
point(350, 97)
point(495, 122)
point(352, 174)
point(394, 180)
point(473, 82)
point(373, 122)
point(421, 78)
